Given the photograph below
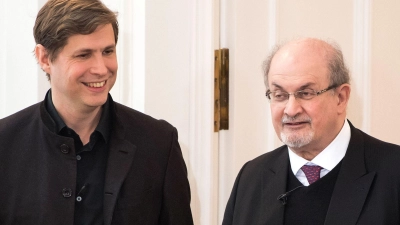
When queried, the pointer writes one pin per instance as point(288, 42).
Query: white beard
point(297, 140)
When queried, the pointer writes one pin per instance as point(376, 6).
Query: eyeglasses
point(305, 94)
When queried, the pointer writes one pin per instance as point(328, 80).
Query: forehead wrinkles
point(286, 81)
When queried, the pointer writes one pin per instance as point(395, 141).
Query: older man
point(328, 171)
point(78, 157)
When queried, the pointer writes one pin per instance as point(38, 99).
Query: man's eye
point(83, 56)
point(108, 52)
point(280, 96)
point(305, 93)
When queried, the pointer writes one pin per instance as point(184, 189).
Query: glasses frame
point(295, 93)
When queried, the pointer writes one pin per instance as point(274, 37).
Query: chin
point(96, 102)
point(297, 140)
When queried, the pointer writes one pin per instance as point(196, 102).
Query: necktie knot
point(312, 173)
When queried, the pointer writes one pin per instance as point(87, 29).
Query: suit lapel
point(274, 179)
point(352, 185)
point(121, 154)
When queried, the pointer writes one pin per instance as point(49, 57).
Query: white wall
point(19, 75)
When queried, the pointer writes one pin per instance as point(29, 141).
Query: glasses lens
point(306, 94)
point(279, 96)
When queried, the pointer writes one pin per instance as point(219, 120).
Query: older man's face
point(302, 124)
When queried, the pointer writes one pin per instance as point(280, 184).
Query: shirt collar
point(104, 124)
point(329, 157)
point(59, 123)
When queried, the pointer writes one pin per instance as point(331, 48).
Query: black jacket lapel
point(120, 158)
point(273, 185)
point(352, 185)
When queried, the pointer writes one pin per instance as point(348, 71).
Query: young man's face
point(85, 70)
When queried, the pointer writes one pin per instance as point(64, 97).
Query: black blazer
point(367, 190)
point(145, 181)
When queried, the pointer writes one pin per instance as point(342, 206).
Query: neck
point(306, 154)
point(315, 147)
point(83, 122)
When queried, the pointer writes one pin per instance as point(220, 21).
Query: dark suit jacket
point(145, 181)
point(367, 190)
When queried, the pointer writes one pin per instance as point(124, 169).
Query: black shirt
point(91, 164)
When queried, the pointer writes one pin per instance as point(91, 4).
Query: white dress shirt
point(327, 159)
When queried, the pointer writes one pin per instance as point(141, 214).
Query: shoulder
point(263, 162)
point(269, 157)
point(372, 144)
point(19, 125)
point(132, 118)
point(142, 129)
point(378, 154)
point(256, 171)
point(20, 119)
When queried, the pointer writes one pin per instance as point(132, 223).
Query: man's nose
point(293, 106)
point(99, 66)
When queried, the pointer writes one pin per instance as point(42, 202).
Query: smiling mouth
point(95, 85)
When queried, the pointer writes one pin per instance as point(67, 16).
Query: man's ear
point(343, 96)
point(42, 58)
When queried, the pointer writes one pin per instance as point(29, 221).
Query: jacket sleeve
point(230, 206)
point(176, 193)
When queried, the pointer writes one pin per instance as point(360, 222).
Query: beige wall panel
point(385, 71)
point(249, 106)
point(324, 19)
point(246, 36)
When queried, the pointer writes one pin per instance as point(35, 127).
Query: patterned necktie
point(312, 173)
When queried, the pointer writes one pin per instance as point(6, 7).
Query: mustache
point(295, 119)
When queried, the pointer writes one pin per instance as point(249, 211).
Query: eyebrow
point(87, 50)
point(301, 87)
point(110, 46)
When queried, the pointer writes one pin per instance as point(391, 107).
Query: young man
point(78, 157)
point(328, 172)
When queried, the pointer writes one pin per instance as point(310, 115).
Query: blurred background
point(166, 69)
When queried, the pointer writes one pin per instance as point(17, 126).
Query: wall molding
point(129, 89)
point(272, 22)
point(3, 56)
point(272, 41)
point(203, 160)
point(362, 58)
point(138, 54)
point(125, 49)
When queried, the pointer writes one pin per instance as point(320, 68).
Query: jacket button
point(67, 192)
point(64, 148)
